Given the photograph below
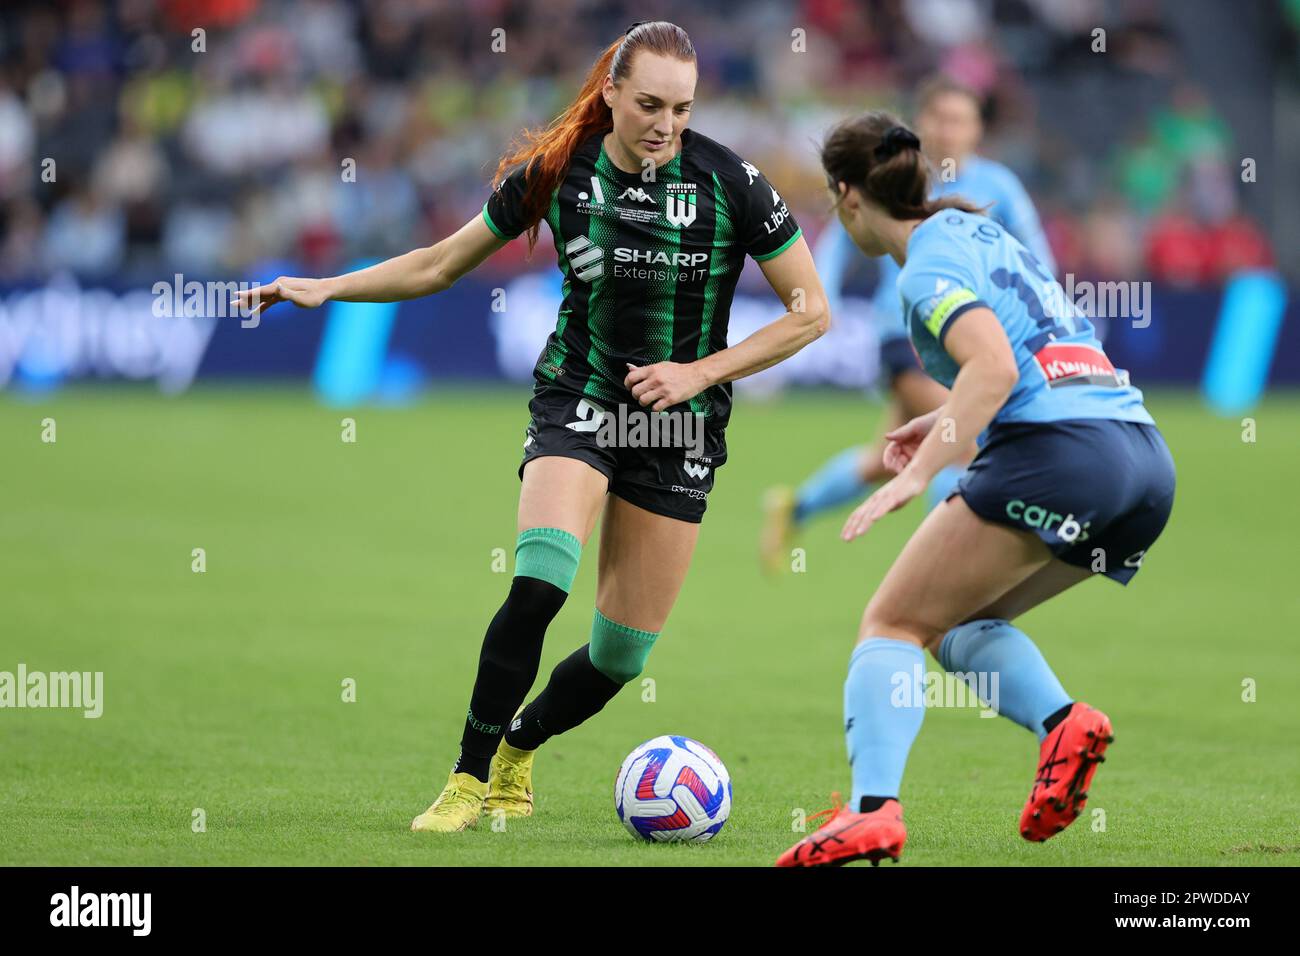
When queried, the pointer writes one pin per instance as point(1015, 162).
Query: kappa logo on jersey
point(589, 417)
point(751, 171)
point(679, 205)
point(593, 204)
point(586, 258)
point(636, 194)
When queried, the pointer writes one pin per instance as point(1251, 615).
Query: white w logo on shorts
point(696, 471)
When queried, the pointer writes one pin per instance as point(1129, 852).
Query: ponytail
point(880, 156)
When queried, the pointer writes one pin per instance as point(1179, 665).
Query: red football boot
point(1067, 760)
point(849, 835)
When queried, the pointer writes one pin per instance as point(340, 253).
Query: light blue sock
point(1024, 687)
point(884, 704)
point(837, 482)
point(943, 484)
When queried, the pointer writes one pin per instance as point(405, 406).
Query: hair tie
point(896, 138)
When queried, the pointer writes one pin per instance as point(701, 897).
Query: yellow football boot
point(778, 529)
point(457, 807)
point(510, 782)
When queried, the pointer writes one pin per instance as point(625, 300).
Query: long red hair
point(546, 153)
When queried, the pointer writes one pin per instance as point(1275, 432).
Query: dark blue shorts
point(897, 357)
point(1097, 492)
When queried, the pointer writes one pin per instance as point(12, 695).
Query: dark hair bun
point(896, 139)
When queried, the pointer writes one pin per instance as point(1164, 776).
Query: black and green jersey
point(649, 266)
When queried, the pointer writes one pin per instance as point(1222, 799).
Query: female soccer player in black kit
point(652, 223)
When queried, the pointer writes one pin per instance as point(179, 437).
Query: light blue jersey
point(981, 181)
point(958, 261)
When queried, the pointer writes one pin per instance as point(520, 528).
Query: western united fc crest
point(679, 204)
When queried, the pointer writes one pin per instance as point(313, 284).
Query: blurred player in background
point(950, 127)
point(652, 223)
point(1072, 479)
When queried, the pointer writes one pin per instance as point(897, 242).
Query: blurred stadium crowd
point(208, 153)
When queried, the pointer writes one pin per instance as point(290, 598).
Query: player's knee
point(901, 627)
point(546, 562)
point(618, 651)
point(532, 601)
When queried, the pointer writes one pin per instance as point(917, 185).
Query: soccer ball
point(673, 789)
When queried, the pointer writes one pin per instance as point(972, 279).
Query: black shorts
point(662, 464)
point(1097, 492)
point(897, 357)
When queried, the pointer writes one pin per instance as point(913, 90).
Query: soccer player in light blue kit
point(948, 121)
point(1072, 479)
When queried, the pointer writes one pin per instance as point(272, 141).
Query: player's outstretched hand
point(304, 293)
point(905, 439)
point(890, 496)
point(664, 384)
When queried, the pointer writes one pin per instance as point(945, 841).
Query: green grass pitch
point(373, 560)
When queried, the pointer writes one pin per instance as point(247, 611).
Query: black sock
point(868, 804)
point(575, 692)
point(1057, 717)
point(507, 667)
